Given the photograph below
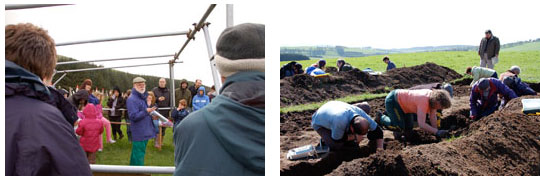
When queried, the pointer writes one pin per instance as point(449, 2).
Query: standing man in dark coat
point(116, 102)
point(195, 88)
point(39, 140)
point(163, 100)
point(489, 50)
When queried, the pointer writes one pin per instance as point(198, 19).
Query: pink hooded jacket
point(90, 129)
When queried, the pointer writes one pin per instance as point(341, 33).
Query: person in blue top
point(142, 127)
point(340, 124)
point(291, 69)
point(201, 99)
point(319, 65)
point(519, 87)
point(484, 100)
point(390, 64)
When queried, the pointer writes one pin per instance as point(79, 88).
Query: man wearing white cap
point(142, 128)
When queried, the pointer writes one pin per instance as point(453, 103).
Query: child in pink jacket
point(90, 129)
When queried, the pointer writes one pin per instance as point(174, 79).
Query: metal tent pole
point(114, 59)
point(197, 28)
point(213, 67)
point(27, 6)
point(132, 169)
point(123, 38)
point(101, 68)
point(59, 79)
point(171, 76)
point(230, 20)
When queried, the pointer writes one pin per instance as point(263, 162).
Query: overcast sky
point(410, 23)
point(105, 20)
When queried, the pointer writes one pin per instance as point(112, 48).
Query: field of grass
point(529, 61)
point(119, 153)
point(532, 46)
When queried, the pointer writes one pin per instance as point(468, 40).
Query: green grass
point(119, 153)
point(532, 46)
point(529, 61)
point(453, 138)
point(348, 99)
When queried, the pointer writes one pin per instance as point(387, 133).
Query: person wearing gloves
point(227, 136)
point(484, 101)
point(399, 103)
point(201, 99)
point(340, 124)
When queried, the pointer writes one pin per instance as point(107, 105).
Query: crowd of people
point(51, 132)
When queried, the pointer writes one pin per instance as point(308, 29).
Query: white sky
point(410, 23)
point(104, 20)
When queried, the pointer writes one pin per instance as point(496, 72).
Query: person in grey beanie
point(226, 137)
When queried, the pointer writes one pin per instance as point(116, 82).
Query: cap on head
point(138, 80)
point(240, 48)
point(515, 69)
point(483, 84)
point(488, 31)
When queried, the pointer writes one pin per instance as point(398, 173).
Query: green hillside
point(457, 60)
point(532, 46)
point(106, 78)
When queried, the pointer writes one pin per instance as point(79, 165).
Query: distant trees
point(102, 79)
point(292, 56)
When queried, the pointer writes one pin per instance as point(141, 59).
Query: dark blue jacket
point(227, 136)
point(93, 100)
point(142, 127)
point(390, 65)
point(39, 140)
point(477, 102)
point(522, 88)
point(179, 115)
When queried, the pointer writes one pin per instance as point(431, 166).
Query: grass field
point(348, 99)
point(532, 46)
point(529, 61)
point(119, 153)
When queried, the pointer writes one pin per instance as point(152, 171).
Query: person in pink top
point(401, 102)
point(90, 129)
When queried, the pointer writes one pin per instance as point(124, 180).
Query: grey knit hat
point(240, 48)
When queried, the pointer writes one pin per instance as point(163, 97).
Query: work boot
point(120, 138)
point(114, 137)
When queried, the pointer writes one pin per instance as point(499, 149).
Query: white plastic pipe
point(132, 169)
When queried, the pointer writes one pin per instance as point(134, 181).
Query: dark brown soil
point(301, 89)
point(504, 143)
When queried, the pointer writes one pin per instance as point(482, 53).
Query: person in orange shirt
point(400, 102)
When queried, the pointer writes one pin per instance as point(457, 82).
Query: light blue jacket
point(199, 101)
point(336, 116)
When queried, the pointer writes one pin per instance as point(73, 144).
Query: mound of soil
point(301, 89)
point(504, 143)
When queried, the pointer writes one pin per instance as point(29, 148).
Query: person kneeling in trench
point(401, 103)
point(340, 124)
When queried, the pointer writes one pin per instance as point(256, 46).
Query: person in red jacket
point(90, 129)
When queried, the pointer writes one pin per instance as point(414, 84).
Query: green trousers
point(138, 150)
